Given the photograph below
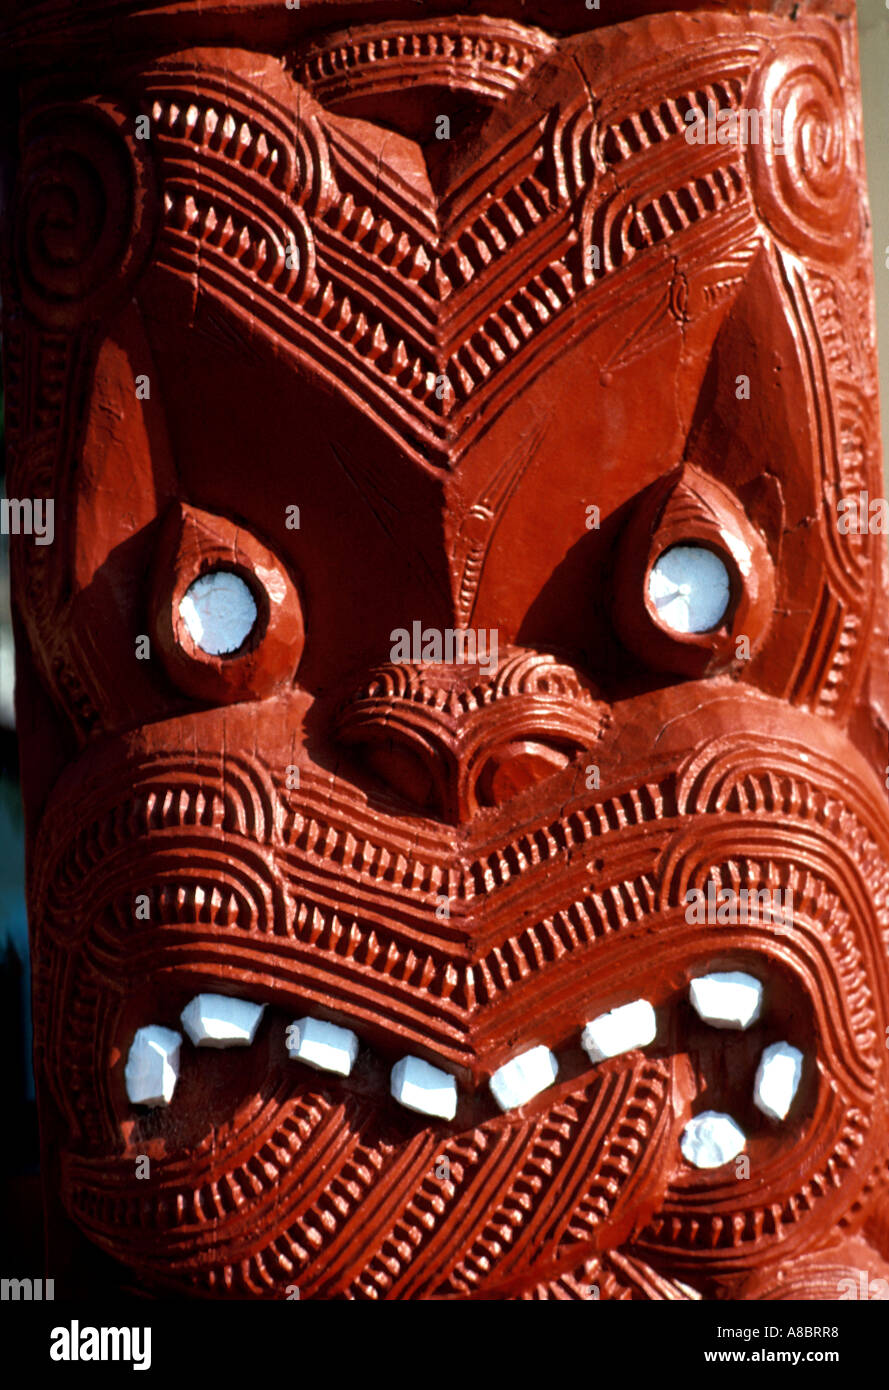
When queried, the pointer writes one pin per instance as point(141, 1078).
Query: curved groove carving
point(83, 213)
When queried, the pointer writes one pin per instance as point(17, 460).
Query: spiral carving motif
point(803, 165)
point(80, 215)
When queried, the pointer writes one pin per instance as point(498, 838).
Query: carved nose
point(451, 740)
point(431, 776)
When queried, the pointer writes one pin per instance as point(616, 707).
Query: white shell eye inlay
point(219, 611)
point(689, 587)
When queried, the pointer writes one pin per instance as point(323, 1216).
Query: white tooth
point(711, 1139)
point(218, 1020)
point(417, 1085)
point(152, 1068)
point(632, 1025)
point(523, 1077)
point(323, 1046)
point(777, 1079)
point(727, 999)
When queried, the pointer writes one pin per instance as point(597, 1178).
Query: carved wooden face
point(423, 329)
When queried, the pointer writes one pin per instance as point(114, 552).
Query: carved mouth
point(325, 1155)
point(724, 1025)
point(249, 1125)
point(327, 911)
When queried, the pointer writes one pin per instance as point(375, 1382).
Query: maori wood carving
point(260, 319)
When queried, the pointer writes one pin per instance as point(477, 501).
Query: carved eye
point(226, 614)
point(690, 588)
point(692, 576)
point(219, 611)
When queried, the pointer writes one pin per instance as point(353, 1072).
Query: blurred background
point(20, 1254)
point(873, 39)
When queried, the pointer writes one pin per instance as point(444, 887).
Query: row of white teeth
point(725, 1000)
